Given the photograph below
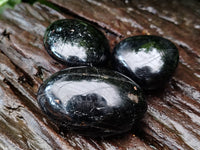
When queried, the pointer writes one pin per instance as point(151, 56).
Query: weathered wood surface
point(173, 117)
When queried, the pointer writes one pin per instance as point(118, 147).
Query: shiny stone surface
point(76, 43)
point(91, 101)
point(148, 60)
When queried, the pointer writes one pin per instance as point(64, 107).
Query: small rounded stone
point(91, 101)
point(76, 43)
point(149, 60)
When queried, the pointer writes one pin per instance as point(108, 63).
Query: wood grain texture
point(173, 117)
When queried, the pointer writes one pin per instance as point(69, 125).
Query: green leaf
point(2, 2)
point(8, 4)
point(13, 2)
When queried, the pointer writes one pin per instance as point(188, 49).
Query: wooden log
point(173, 117)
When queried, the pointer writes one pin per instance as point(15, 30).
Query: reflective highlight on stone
point(148, 60)
point(91, 101)
point(76, 43)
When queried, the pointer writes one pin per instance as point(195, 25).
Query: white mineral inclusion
point(65, 90)
point(68, 49)
point(151, 59)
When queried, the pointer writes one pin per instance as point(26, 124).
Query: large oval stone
point(91, 101)
point(148, 60)
point(76, 43)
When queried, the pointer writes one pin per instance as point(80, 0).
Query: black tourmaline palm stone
point(76, 43)
point(148, 60)
point(91, 101)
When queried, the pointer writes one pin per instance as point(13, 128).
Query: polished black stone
point(91, 101)
point(76, 43)
point(149, 60)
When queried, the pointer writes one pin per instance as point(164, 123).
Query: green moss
point(149, 45)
